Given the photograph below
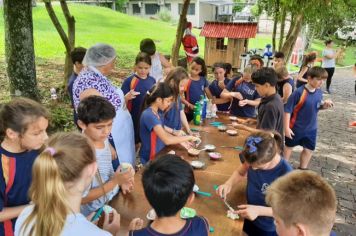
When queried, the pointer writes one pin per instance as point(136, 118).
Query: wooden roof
point(234, 30)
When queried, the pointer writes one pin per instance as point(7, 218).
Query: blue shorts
point(306, 140)
point(251, 230)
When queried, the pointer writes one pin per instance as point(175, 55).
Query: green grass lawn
point(124, 32)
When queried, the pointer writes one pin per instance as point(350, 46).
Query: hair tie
point(51, 150)
point(148, 93)
point(251, 143)
point(272, 135)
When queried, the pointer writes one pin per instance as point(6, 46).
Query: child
point(168, 184)
point(285, 84)
point(303, 203)
point(23, 125)
point(328, 62)
point(262, 164)
point(278, 60)
point(159, 62)
point(174, 117)
point(308, 63)
point(300, 117)
point(196, 87)
point(61, 173)
point(152, 133)
point(270, 110)
point(257, 61)
point(77, 56)
point(136, 86)
point(228, 71)
point(218, 85)
point(243, 94)
point(96, 116)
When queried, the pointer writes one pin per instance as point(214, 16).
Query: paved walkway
point(335, 155)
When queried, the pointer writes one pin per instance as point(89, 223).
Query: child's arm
point(251, 212)
point(287, 91)
point(287, 131)
point(254, 103)
point(230, 95)
point(238, 175)
point(187, 103)
point(326, 104)
point(184, 121)
point(169, 139)
point(301, 73)
point(98, 192)
point(8, 213)
point(208, 93)
point(220, 100)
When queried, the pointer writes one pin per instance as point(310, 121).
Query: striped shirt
point(106, 172)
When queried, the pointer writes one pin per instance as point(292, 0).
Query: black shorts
point(251, 230)
point(307, 140)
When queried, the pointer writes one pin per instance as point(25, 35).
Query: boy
point(300, 116)
point(303, 204)
point(95, 118)
point(270, 109)
point(168, 184)
point(257, 61)
point(278, 60)
point(77, 56)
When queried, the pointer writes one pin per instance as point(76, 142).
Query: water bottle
point(213, 110)
point(205, 107)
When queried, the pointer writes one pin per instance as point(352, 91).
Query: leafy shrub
point(164, 15)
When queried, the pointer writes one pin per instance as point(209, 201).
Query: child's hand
point(224, 190)
point(131, 94)
point(237, 95)
point(113, 226)
point(221, 84)
point(186, 145)
point(124, 177)
point(136, 224)
point(288, 133)
point(191, 106)
point(126, 187)
point(250, 212)
point(328, 104)
point(243, 102)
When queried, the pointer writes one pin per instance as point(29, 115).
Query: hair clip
point(51, 150)
point(148, 92)
point(251, 143)
point(272, 135)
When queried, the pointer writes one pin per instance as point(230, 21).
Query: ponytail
point(61, 162)
point(160, 90)
point(173, 79)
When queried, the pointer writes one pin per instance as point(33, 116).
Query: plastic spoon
point(196, 190)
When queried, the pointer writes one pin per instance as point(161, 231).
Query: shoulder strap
point(238, 82)
point(297, 108)
point(133, 85)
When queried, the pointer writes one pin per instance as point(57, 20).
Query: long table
point(215, 172)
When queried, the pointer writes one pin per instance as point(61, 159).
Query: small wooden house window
point(151, 9)
point(136, 9)
point(221, 43)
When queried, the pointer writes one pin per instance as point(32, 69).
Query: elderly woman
point(99, 61)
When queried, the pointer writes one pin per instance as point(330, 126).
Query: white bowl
point(197, 164)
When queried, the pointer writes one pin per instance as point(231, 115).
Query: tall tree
point(19, 49)
point(179, 34)
point(67, 39)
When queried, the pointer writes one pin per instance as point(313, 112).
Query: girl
point(329, 56)
point(196, 87)
point(218, 85)
point(153, 136)
point(175, 118)
point(23, 125)
point(136, 87)
point(243, 94)
point(308, 63)
point(59, 181)
point(285, 84)
point(262, 164)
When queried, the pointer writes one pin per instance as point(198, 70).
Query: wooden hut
point(226, 41)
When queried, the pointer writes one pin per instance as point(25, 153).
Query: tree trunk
point(179, 35)
point(283, 25)
point(290, 41)
point(275, 21)
point(68, 41)
point(19, 49)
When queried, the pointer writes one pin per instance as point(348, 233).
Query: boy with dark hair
point(278, 60)
point(77, 56)
point(95, 118)
point(270, 109)
point(168, 184)
point(303, 203)
point(300, 115)
point(257, 61)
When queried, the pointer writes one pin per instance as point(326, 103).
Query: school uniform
point(196, 226)
point(193, 93)
point(15, 181)
point(303, 106)
point(172, 116)
point(248, 91)
point(151, 144)
point(270, 114)
point(75, 224)
point(216, 92)
point(257, 183)
point(305, 76)
point(134, 106)
point(281, 84)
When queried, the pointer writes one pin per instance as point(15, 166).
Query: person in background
point(218, 85)
point(329, 56)
point(228, 71)
point(190, 43)
point(159, 64)
point(257, 61)
point(278, 60)
point(308, 62)
point(285, 84)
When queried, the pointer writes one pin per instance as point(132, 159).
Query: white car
point(347, 35)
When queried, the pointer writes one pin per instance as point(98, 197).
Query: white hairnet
point(99, 55)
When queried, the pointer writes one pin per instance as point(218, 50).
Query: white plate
point(197, 164)
point(234, 118)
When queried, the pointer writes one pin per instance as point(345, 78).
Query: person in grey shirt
point(329, 56)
